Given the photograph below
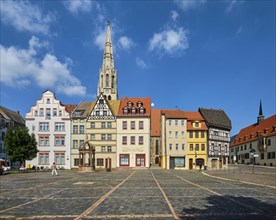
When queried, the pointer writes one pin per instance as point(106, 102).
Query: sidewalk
point(263, 179)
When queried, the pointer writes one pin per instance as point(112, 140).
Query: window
point(48, 114)
point(76, 162)
point(125, 111)
point(92, 137)
point(133, 111)
point(48, 101)
point(75, 144)
point(241, 147)
point(75, 129)
point(182, 122)
point(124, 160)
point(54, 112)
point(124, 125)
point(191, 147)
point(92, 125)
point(100, 162)
point(141, 125)
point(196, 134)
point(245, 147)
point(170, 134)
point(170, 146)
point(176, 122)
point(60, 158)
point(59, 126)
point(268, 142)
point(97, 113)
point(170, 122)
point(132, 124)
point(196, 124)
point(103, 124)
point(132, 140)
point(104, 113)
point(268, 155)
point(183, 146)
point(272, 155)
point(190, 134)
point(103, 148)
point(43, 140)
point(43, 159)
point(197, 147)
point(35, 114)
point(262, 156)
point(81, 129)
point(59, 140)
point(124, 139)
point(142, 110)
point(109, 137)
point(59, 113)
point(109, 149)
point(141, 140)
point(202, 134)
point(43, 126)
point(109, 124)
point(103, 137)
point(250, 146)
point(202, 147)
point(176, 147)
point(182, 134)
point(41, 112)
point(176, 134)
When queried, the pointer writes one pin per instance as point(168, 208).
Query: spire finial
point(261, 108)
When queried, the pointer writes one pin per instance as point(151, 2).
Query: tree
point(20, 145)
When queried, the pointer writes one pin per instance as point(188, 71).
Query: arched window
point(101, 81)
point(107, 80)
point(104, 96)
point(112, 82)
point(109, 97)
point(156, 148)
point(133, 111)
point(125, 110)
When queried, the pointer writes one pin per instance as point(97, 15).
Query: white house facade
point(50, 122)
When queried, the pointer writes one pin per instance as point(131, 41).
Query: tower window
point(112, 82)
point(107, 80)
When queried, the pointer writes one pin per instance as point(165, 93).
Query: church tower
point(261, 116)
point(108, 75)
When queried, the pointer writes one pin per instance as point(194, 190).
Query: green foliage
point(20, 144)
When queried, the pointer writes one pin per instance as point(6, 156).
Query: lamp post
point(195, 157)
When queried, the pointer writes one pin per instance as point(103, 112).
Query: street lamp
point(195, 157)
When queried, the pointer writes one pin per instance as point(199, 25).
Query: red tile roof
point(146, 104)
point(70, 107)
point(174, 113)
point(267, 128)
point(192, 117)
point(155, 122)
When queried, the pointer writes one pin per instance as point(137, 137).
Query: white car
point(6, 169)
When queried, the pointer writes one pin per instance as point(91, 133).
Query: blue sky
point(182, 54)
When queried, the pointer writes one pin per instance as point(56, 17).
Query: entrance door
point(190, 164)
point(172, 163)
point(140, 160)
point(214, 163)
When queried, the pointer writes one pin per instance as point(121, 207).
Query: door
point(172, 163)
point(190, 164)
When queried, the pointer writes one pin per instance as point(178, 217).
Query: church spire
point(260, 117)
point(108, 75)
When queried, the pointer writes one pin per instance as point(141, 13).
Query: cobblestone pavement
point(132, 194)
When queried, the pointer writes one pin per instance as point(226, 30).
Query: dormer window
point(125, 110)
point(133, 111)
point(48, 101)
point(139, 104)
point(244, 138)
point(251, 136)
point(196, 124)
point(129, 104)
point(142, 110)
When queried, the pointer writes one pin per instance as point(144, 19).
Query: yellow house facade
point(196, 141)
point(101, 131)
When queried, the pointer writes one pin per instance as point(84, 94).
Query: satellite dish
point(152, 104)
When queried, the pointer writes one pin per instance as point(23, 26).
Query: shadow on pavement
point(231, 207)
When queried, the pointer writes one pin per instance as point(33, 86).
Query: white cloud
point(239, 30)
point(100, 39)
point(174, 15)
point(21, 67)
point(185, 5)
point(141, 63)
point(170, 41)
point(125, 42)
point(231, 4)
point(76, 6)
point(26, 16)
